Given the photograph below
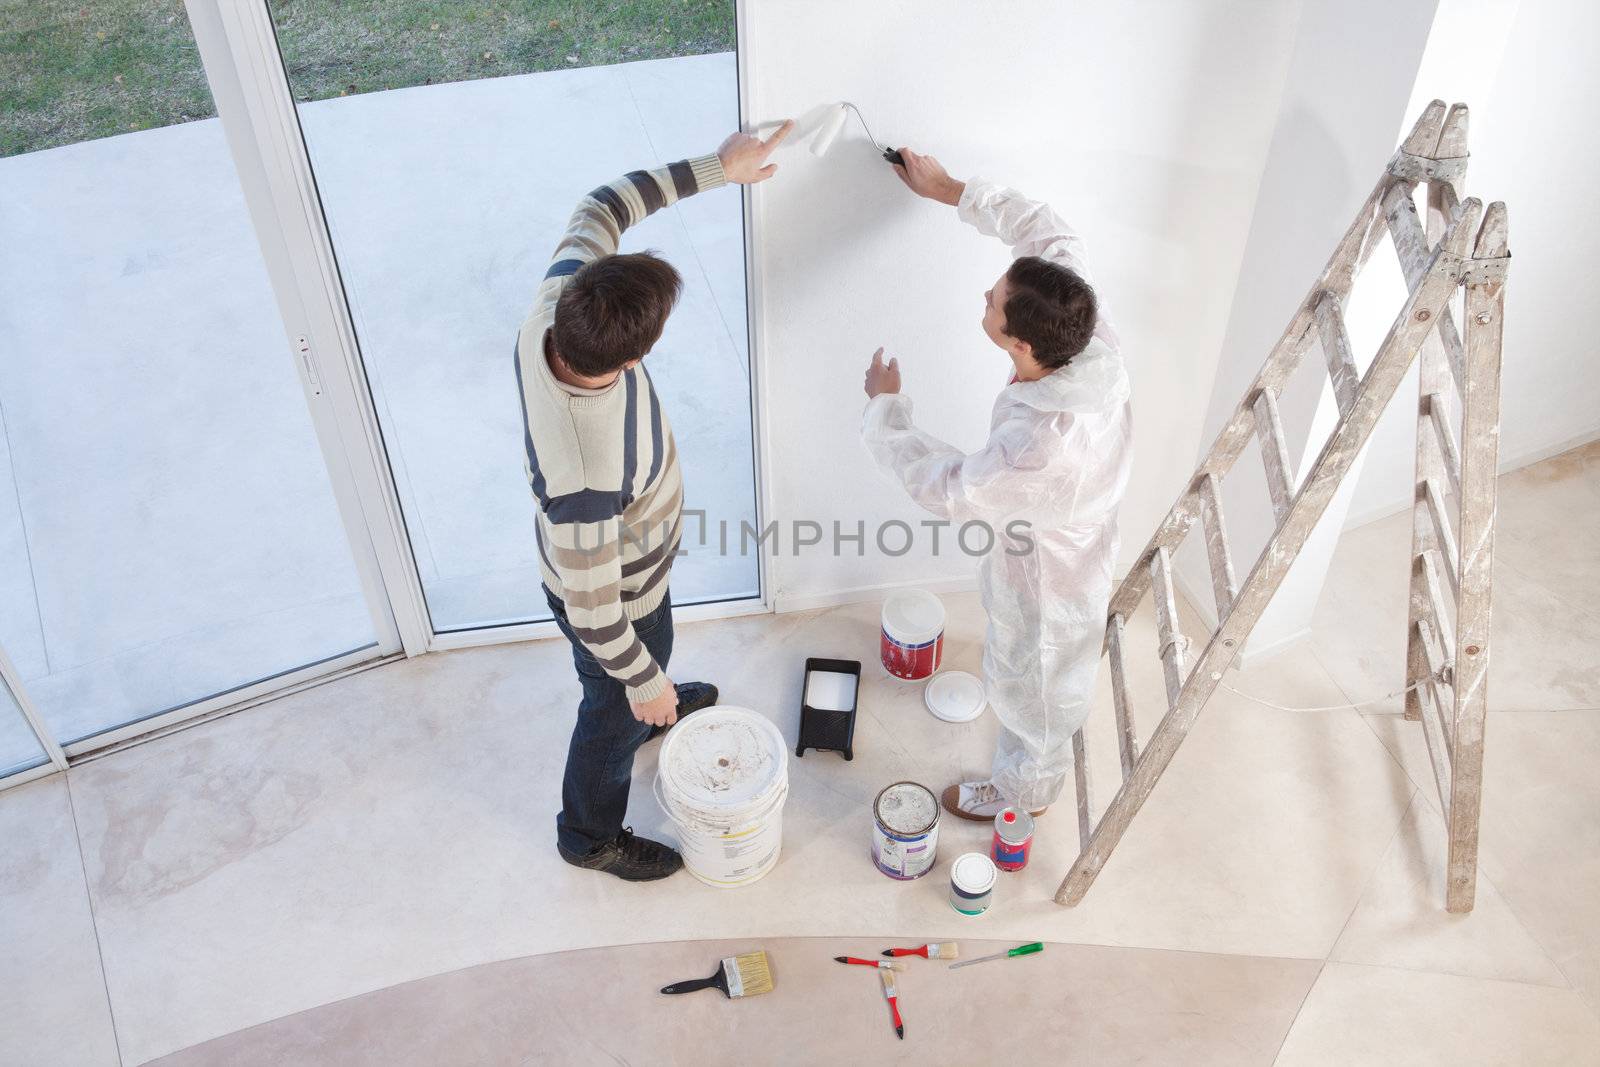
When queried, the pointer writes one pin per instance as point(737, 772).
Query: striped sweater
point(602, 462)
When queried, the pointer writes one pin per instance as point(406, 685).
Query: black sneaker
point(633, 859)
point(692, 696)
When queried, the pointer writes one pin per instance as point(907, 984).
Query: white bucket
point(722, 780)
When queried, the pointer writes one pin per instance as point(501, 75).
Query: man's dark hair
point(613, 311)
point(1051, 308)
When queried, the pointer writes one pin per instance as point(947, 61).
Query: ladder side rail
point(1485, 315)
point(1383, 378)
point(1080, 773)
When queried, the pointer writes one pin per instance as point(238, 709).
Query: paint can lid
point(906, 808)
point(973, 873)
point(913, 616)
point(954, 696)
point(723, 759)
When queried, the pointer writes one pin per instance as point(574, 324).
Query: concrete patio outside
point(166, 526)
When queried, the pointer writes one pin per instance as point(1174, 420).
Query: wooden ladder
point(1445, 677)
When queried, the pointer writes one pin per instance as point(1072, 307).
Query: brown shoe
point(989, 803)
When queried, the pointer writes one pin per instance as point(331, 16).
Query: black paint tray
point(828, 729)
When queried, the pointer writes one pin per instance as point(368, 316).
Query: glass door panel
point(450, 144)
point(167, 528)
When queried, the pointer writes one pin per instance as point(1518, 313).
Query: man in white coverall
point(1057, 459)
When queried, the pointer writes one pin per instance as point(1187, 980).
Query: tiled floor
point(1280, 896)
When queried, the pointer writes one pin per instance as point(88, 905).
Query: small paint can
point(912, 640)
point(1013, 839)
point(972, 878)
point(905, 830)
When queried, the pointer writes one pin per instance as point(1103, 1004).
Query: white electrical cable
point(1181, 641)
point(1330, 707)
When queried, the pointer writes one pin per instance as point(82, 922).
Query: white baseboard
point(1517, 462)
point(783, 603)
point(1252, 655)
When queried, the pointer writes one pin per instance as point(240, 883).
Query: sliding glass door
point(450, 144)
point(258, 417)
point(168, 534)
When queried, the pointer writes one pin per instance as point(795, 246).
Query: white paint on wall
point(1145, 124)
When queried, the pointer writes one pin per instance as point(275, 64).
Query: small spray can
point(1013, 839)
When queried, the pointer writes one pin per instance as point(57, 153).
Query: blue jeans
point(594, 792)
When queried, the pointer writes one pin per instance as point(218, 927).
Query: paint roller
point(828, 120)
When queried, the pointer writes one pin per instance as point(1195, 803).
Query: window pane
point(450, 145)
point(167, 528)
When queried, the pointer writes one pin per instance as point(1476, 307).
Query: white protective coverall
point(1058, 456)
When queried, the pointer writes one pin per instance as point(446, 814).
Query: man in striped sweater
point(604, 469)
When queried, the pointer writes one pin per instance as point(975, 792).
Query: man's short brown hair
point(613, 311)
point(1051, 308)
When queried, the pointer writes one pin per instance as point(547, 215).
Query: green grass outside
point(72, 70)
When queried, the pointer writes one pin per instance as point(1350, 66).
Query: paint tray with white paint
point(828, 706)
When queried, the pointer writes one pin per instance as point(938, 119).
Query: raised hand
point(882, 377)
point(744, 155)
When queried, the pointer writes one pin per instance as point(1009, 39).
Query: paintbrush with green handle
point(1020, 950)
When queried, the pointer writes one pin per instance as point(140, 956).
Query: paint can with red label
point(1013, 839)
point(912, 641)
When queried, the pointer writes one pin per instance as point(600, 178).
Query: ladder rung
point(1336, 350)
point(1434, 501)
point(1274, 453)
point(1433, 651)
point(1167, 631)
point(1080, 767)
point(1411, 245)
point(1433, 727)
point(1223, 583)
point(1127, 740)
point(1441, 618)
point(1446, 441)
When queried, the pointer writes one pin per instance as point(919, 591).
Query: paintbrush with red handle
point(892, 995)
point(939, 950)
point(887, 965)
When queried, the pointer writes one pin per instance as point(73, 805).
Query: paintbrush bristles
point(944, 950)
point(751, 973)
point(891, 965)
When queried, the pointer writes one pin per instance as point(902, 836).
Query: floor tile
point(53, 1007)
point(1402, 922)
point(1541, 833)
point(1376, 1015)
point(601, 1005)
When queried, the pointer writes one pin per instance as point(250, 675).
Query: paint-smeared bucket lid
point(722, 758)
point(954, 696)
point(906, 808)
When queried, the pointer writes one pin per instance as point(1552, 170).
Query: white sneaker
point(977, 801)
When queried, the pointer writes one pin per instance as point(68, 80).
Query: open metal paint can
point(912, 641)
point(905, 830)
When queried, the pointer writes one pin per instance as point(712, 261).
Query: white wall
point(1146, 124)
point(1532, 147)
point(1344, 105)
